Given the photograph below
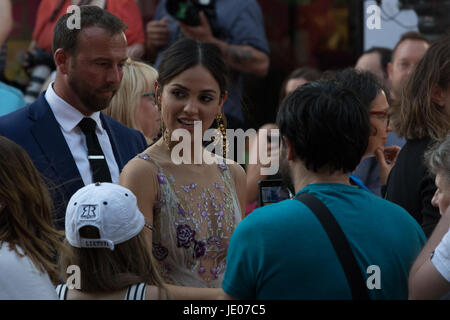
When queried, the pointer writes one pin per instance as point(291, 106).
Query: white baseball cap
point(109, 207)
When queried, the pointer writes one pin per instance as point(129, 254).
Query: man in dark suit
point(70, 141)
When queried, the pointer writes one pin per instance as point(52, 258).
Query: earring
point(166, 136)
point(164, 131)
point(222, 133)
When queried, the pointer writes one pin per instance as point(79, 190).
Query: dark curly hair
point(363, 83)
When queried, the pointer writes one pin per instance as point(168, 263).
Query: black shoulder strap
point(340, 244)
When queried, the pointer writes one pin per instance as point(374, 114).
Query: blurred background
point(325, 34)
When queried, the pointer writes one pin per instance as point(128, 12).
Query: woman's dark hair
point(363, 83)
point(67, 38)
point(187, 53)
point(327, 124)
point(26, 221)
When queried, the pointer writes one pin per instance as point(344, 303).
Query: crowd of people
point(90, 173)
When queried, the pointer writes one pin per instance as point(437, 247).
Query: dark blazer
point(37, 131)
point(411, 186)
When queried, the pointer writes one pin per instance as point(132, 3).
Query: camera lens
point(38, 77)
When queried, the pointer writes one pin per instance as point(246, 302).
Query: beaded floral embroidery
point(194, 224)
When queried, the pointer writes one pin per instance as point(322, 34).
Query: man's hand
point(201, 32)
point(158, 33)
point(239, 57)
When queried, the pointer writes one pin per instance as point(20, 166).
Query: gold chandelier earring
point(166, 135)
point(221, 126)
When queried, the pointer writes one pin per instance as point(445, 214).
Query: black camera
point(38, 64)
point(432, 14)
point(38, 57)
point(188, 12)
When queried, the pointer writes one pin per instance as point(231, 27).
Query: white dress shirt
point(68, 118)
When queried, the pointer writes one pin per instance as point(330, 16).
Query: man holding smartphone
point(285, 250)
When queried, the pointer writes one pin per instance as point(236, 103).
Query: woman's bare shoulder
point(235, 168)
point(139, 166)
point(139, 172)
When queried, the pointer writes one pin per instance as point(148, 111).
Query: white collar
point(66, 115)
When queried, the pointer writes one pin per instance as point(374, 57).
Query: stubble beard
point(87, 94)
point(285, 172)
point(88, 97)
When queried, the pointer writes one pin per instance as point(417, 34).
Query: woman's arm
point(254, 167)
point(425, 281)
point(6, 19)
point(185, 293)
point(253, 171)
point(190, 293)
point(140, 177)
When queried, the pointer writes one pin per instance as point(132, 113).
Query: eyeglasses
point(382, 115)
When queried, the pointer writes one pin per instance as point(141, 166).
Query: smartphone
point(271, 191)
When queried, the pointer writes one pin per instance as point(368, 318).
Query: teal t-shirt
point(11, 99)
point(281, 251)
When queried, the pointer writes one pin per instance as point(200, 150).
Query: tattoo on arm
point(240, 56)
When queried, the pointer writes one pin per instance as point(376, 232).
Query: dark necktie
point(97, 160)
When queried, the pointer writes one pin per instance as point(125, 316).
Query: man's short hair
point(67, 38)
point(327, 124)
point(307, 73)
point(411, 35)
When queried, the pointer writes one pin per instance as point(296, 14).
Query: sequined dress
point(193, 222)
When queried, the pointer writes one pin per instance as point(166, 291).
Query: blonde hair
point(138, 78)
point(26, 220)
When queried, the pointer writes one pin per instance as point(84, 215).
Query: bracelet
point(148, 225)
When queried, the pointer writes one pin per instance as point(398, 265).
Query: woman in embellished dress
point(194, 206)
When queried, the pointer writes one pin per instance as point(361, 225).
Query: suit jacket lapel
point(54, 147)
point(113, 139)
